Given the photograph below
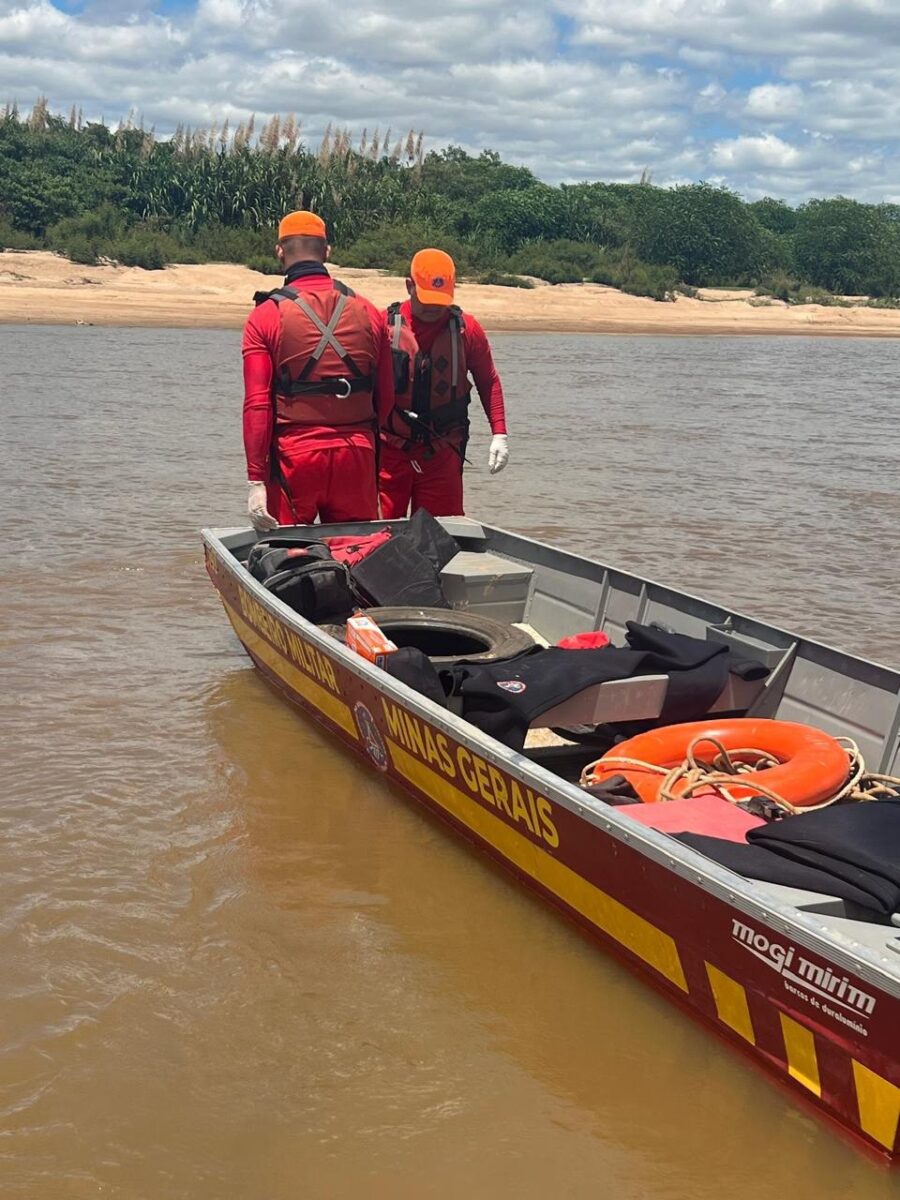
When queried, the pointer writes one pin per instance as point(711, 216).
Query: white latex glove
point(498, 455)
point(260, 517)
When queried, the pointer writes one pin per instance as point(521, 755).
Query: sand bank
point(37, 287)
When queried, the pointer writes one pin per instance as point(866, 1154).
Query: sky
point(789, 98)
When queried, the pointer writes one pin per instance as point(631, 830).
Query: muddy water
point(232, 964)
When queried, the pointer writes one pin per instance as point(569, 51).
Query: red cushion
point(706, 814)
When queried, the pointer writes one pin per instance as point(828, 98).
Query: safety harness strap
point(335, 386)
point(328, 337)
point(454, 351)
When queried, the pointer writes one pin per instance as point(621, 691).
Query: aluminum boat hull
point(821, 1015)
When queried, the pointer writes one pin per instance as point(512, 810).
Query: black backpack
point(405, 570)
point(303, 574)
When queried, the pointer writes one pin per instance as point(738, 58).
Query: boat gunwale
point(643, 581)
point(689, 864)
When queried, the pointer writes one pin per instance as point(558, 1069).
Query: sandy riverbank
point(41, 288)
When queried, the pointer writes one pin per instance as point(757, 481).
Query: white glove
point(498, 454)
point(260, 517)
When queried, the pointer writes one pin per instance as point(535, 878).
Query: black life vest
point(432, 390)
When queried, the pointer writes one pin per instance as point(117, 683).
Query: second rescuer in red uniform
point(435, 348)
point(317, 385)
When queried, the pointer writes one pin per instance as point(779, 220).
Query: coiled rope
point(722, 771)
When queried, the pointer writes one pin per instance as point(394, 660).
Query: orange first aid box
point(367, 640)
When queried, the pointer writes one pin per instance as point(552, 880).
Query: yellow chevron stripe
point(652, 945)
point(319, 697)
point(879, 1105)
point(731, 1002)
point(800, 1047)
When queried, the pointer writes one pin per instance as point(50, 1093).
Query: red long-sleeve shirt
point(479, 361)
point(262, 335)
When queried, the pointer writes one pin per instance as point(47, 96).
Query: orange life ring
point(812, 766)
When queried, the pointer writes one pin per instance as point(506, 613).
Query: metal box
point(488, 585)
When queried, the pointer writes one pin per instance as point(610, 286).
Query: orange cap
point(301, 224)
point(434, 274)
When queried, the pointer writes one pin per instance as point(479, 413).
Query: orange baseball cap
point(434, 274)
point(301, 224)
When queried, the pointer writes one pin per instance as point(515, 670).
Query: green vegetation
point(499, 279)
point(95, 194)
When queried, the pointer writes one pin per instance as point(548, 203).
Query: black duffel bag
point(272, 554)
point(304, 575)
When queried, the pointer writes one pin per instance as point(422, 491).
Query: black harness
point(423, 424)
point(341, 386)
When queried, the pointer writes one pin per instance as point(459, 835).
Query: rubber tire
point(503, 641)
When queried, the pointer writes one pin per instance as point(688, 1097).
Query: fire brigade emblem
point(371, 736)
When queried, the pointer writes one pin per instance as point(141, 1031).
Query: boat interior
point(550, 594)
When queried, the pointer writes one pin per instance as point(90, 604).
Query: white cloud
point(585, 97)
point(772, 28)
point(775, 101)
point(763, 152)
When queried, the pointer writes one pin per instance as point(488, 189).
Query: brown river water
point(235, 965)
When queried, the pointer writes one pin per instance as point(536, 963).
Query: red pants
point(409, 477)
point(338, 483)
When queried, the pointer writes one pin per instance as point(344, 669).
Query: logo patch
point(438, 281)
point(371, 736)
point(516, 686)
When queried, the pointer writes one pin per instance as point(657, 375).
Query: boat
point(804, 982)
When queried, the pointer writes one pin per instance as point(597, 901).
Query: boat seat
point(638, 699)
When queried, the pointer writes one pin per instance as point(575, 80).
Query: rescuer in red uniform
point(435, 347)
point(317, 385)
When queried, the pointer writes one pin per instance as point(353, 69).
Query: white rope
point(728, 767)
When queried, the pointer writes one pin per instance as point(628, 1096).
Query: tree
point(464, 179)
point(774, 215)
point(707, 233)
point(848, 247)
point(509, 218)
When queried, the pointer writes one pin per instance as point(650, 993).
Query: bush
point(186, 254)
point(810, 294)
point(390, 247)
point(80, 250)
point(97, 229)
point(265, 264)
point(786, 287)
point(558, 261)
point(12, 239)
point(499, 279)
point(142, 250)
point(103, 233)
point(779, 285)
point(620, 269)
point(220, 243)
